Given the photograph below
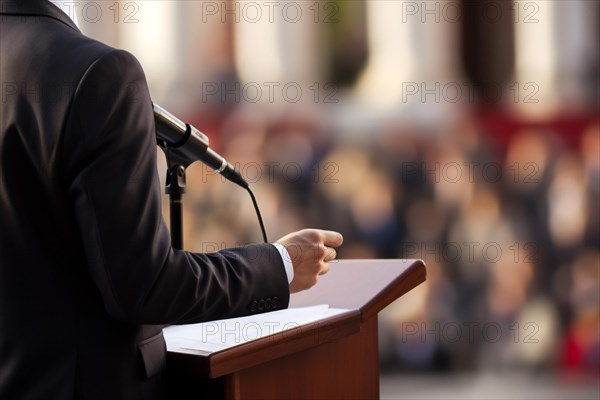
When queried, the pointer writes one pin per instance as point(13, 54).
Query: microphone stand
point(175, 188)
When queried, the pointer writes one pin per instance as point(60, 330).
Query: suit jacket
point(87, 272)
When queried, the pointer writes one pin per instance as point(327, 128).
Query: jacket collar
point(41, 8)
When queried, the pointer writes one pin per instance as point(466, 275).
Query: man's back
point(53, 319)
point(85, 258)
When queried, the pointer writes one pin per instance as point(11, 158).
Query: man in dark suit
point(87, 272)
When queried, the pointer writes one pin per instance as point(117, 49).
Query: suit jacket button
point(268, 303)
point(253, 306)
point(261, 305)
point(275, 302)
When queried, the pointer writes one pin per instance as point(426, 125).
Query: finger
point(330, 254)
point(332, 238)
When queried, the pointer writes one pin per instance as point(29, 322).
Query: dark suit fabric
point(87, 272)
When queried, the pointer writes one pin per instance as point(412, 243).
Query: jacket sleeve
point(109, 167)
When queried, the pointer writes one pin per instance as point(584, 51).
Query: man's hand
point(310, 251)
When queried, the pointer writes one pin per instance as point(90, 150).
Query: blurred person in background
point(87, 272)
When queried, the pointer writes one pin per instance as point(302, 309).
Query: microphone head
point(184, 144)
point(173, 130)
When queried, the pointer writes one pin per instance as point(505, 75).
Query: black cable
point(260, 221)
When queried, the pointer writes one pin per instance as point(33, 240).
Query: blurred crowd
point(508, 228)
point(409, 152)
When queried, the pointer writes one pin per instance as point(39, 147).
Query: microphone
point(187, 144)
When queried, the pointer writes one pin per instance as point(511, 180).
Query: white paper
point(222, 334)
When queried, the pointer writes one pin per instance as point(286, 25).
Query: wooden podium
point(333, 358)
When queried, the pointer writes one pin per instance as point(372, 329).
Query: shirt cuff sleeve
point(287, 261)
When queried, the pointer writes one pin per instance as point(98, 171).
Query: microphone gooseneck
point(183, 144)
point(187, 144)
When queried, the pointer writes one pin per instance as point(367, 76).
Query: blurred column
point(556, 55)
point(151, 31)
point(277, 43)
point(300, 41)
point(536, 57)
point(577, 52)
point(392, 53)
point(206, 58)
point(412, 52)
point(437, 40)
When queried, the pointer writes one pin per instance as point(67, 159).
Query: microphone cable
point(258, 215)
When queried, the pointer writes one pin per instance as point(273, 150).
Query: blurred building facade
point(465, 133)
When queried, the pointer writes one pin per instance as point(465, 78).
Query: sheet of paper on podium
point(213, 336)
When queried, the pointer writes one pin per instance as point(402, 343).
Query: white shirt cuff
point(287, 261)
